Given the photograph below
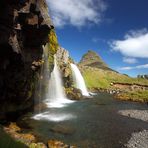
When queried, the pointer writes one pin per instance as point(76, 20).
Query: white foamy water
point(55, 117)
point(78, 79)
point(54, 96)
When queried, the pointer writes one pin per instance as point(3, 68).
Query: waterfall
point(55, 96)
point(40, 92)
point(78, 79)
point(50, 88)
point(51, 92)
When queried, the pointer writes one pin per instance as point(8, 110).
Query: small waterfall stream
point(54, 96)
point(78, 79)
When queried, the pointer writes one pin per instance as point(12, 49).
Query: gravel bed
point(137, 114)
point(139, 139)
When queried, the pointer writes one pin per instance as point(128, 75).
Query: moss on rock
point(73, 93)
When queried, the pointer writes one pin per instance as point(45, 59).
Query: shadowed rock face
point(24, 28)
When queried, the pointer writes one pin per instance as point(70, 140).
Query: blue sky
point(116, 29)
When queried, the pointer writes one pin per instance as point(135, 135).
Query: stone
point(62, 55)
point(15, 132)
point(74, 93)
point(37, 145)
point(13, 127)
point(57, 144)
point(40, 106)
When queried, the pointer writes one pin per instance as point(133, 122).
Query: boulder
point(40, 106)
point(58, 144)
point(74, 93)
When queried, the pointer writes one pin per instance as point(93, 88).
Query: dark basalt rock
point(23, 31)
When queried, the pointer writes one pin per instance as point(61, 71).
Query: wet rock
point(74, 93)
point(40, 106)
point(37, 145)
point(14, 127)
point(58, 144)
point(27, 138)
point(15, 132)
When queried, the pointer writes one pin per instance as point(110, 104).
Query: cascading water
point(40, 92)
point(78, 79)
point(54, 96)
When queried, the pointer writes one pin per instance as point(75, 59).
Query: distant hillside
point(92, 59)
point(97, 74)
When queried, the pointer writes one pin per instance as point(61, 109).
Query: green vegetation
point(98, 75)
point(103, 78)
point(53, 42)
point(92, 59)
point(52, 47)
point(139, 96)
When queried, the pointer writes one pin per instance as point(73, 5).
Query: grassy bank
point(137, 96)
point(102, 79)
point(97, 78)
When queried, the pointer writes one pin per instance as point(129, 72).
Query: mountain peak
point(92, 59)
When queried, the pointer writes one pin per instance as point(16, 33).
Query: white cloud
point(76, 12)
point(130, 60)
point(134, 44)
point(145, 66)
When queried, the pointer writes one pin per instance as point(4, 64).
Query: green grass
point(140, 96)
point(97, 78)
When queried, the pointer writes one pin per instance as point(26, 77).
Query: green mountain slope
point(98, 75)
point(92, 59)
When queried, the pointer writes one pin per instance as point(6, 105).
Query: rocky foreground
point(138, 139)
point(30, 140)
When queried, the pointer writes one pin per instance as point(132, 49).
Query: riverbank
point(125, 94)
point(136, 96)
point(94, 122)
point(138, 139)
point(100, 121)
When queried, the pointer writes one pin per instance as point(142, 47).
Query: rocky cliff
point(64, 60)
point(24, 27)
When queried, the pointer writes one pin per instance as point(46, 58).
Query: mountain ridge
point(92, 59)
